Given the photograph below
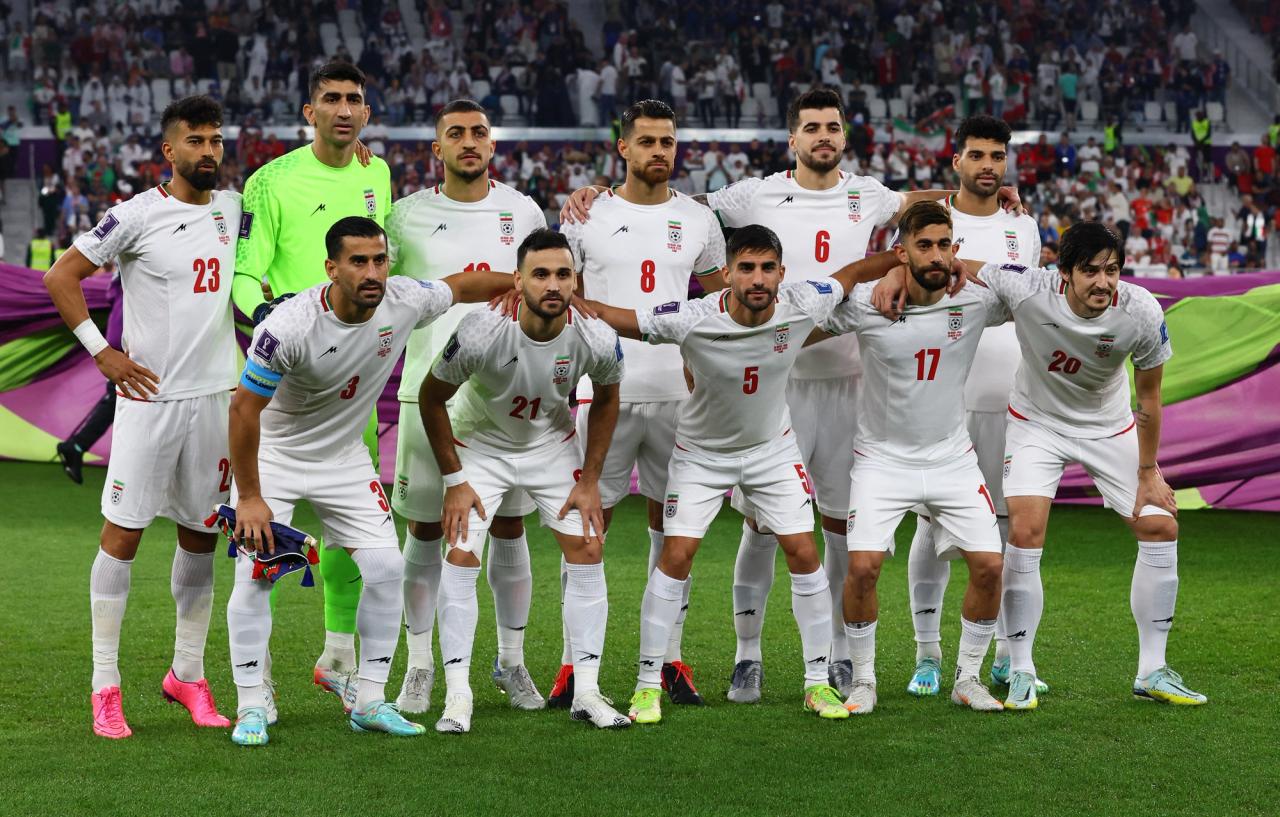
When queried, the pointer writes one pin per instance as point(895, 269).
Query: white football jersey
point(1072, 378)
point(913, 373)
point(638, 256)
point(1003, 238)
point(324, 376)
point(176, 264)
point(740, 372)
point(515, 391)
point(430, 236)
point(821, 231)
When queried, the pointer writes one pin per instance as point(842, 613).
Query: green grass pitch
point(1090, 749)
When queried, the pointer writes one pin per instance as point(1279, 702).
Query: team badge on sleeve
point(506, 228)
point(669, 507)
point(560, 374)
point(105, 227)
point(781, 337)
point(370, 202)
point(266, 346)
point(384, 341)
point(1008, 462)
point(220, 223)
point(1018, 268)
point(855, 205)
point(1104, 345)
point(617, 349)
point(848, 525)
point(669, 308)
point(675, 236)
point(117, 491)
point(955, 323)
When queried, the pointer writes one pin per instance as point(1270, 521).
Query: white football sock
point(511, 580)
point(458, 610)
point(1022, 603)
point(836, 565)
point(586, 606)
point(655, 549)
point(378, 619)
point(421, 587)
point(861, 636)
point(191, 583)
point(658, 614)
point(1002, 641)
point(927, 578)
point(811, 606)
point(339, 651)
point(677, 629)
point(752, 577)
point(248, 631)
point(1152, 597)
point(566, 643)
point(108, 594)
point(975, 638)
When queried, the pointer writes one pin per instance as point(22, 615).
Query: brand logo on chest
point(675, 236)
point(506, 228)
point(855, 205)
point(560, 374)
point(384, 341)
point(781, 337)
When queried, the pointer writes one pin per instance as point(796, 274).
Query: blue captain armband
point(259, 379)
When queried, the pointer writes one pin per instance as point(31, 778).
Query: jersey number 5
point(207, 274)
point(750, 379)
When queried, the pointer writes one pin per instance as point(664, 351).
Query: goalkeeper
point(289, 205)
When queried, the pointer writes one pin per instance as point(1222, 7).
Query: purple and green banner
point(1220, 439)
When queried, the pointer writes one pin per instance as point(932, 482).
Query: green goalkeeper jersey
point(289, 205)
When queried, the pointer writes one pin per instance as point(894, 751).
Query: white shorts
point(771, 476)
point(1036, 456)
point(168, 458)
point(953, 495)
point(643, 439)
point(547, 476)
point(824, 420)
point(986, 430)
point(419, 492)
point(344, 491)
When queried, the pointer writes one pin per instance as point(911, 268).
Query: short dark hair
point(752, 237)
point(1084, 241)
point(815, 99)
point(645, 109)
point(982, 126)
point(354, 226)
point(461, 106)
point(334, 71)
point(543, 238)
point(193, 110)
point(920, 215)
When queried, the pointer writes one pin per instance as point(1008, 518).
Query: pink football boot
point(196, 697)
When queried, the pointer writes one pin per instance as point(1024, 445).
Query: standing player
point(641, 247)
point(511, 431)
point(735, 431)
point(1070, 403)
point(316, 367)
point(981, 230)
point(912, 448)
point(289, 205)
point(176, 369)
point(471, 222)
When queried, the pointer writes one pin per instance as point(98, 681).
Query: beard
point(201, 179)
point(547, 310)
point(975, 186)
point(650, 175)
point(467, 175)
point(930, 284)
point(742, 298)
point(817, 165)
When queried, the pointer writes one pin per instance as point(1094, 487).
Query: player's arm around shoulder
point(846, 317)
point(625, 322)
point(478, 286)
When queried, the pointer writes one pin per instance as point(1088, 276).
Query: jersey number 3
point(207, 274)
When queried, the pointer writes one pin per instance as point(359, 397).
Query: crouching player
point(512, 375)
point(315, 368)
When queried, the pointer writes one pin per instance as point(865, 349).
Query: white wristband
point(89, 336)
point(454, 479)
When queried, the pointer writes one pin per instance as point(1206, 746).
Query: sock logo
point(1019, 634)
point(750, 612)
point(589, 656)
point(926, 611)
point(247, 665)
point(386, 659)
point(1168, 620)
point(453, 661)
point(821, 659)
point(646, 663)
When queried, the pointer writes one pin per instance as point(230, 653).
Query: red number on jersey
point(982, 489)
point(211, 267)
point(923, 372)
point(482, 266)
point(522, 403)
point(648, 276)
point(750, 379)
point(804, 478)
point(376, 488)
point(224, 468)
point(1062, 362)
point(822, 245)
point(350, 390)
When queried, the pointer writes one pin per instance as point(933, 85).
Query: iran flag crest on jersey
point(1011, 244)
point(221, 224)
point(781, 337)
point(370, 202)
point(675, 235)
point(855, 205)
point(1104, 345)
point(955, 323)
point(506, 228)
point(384, 341)
point(560, 374)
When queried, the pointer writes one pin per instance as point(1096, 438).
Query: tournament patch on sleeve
point(266, 346)
point(246, 224)
point(426, 284)
point(822, 286)
point(1018, 268)
point(617, 349)
point(105, 227)
point(1164, 332)
point(669, 308)
point(452, 347)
